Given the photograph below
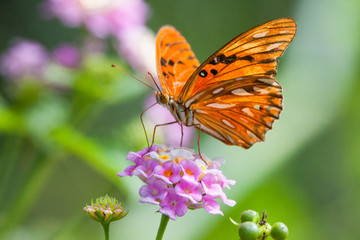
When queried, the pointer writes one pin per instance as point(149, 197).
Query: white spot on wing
point(268, 81)
point(260, 35)
point(240, 92)
point(226, 122)
point(252, 136)
point(273, 46)
point(192, 99)
point(230, 139)
point(247, 111)
point(200, 111)
point(261, 90)
point(216, 91)
point(220, 105)
point(284, 31)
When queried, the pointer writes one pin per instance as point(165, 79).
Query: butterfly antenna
point(115, 66)
point(154, 81)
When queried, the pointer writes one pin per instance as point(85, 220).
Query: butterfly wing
point(233, 95)
point(252, 53)
point(239, 112)
point(176, 62)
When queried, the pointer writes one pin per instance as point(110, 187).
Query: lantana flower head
point(177, 179)
point(24, 59)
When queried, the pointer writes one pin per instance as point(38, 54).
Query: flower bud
point(249, 231)
point(279, 231)
point(250, 216)
point(105, 210)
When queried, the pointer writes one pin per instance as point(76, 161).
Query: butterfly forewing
point(252, 53)
point(176, 61)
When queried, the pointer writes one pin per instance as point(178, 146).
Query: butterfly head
point(162, 98)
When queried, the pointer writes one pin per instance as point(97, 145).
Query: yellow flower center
point(168, 173)
point(164, 157)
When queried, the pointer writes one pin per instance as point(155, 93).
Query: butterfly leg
point(143, 125)
point(153, 138)
point(199, 126)
point(182, 134)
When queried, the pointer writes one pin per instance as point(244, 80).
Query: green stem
point(162, 227)
point(106, 227)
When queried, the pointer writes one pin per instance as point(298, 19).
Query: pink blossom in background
point(67, 55)
point(172, 133)
point(101, 18)
point(123, 19)
point(176, 179)
point(24, 59)
point(137, 47)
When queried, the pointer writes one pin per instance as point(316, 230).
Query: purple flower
point(173, 205)
point(146, 170)
point(68, 11)
point(191, 170)
point(169, 172)
point(153, 193)
point(177, 179)
point(189, 189)
point(25, 59)
point(67, 55)
point(211, 206)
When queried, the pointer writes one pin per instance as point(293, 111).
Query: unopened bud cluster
point(105, 210)
point(254, 228)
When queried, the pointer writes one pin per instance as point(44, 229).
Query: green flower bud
point(279, 231)
point(265, 230)
point(249, 231)
point(250, 216)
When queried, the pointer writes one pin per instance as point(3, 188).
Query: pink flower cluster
point(29, 59)
point(123, 19)
point(176, 179)
point(101, 18)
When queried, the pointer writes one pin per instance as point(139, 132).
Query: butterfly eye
point(164, 99)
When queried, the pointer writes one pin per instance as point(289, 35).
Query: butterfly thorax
point(182, 114)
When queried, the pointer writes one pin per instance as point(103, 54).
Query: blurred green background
point(61, 148)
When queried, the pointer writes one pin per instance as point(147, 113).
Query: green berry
point(279, 231)
point(250, 216)
point(249, 231)
point(264, 231)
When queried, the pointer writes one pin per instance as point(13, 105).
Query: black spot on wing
point(268, 60)
point(203, 73)
point(163, 62)
point(271, 72)
point(165, 75)
point(229, 59)
point(213, 71)
point(218, 59)
point(248, 58)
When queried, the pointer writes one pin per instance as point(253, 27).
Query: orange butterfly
point(232, 96)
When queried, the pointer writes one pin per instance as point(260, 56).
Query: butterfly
point(233, 95)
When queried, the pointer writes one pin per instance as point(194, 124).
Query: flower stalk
point(163, 223)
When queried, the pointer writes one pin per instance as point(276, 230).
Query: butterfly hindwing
point(239, 112)
point(176, 60)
